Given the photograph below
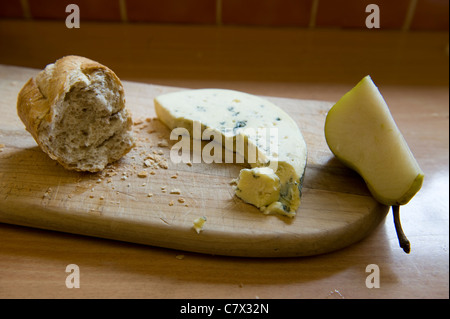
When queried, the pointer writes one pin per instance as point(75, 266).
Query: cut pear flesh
point(274, 181)
point(361, 132)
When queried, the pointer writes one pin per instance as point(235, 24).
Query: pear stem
point(403, 241)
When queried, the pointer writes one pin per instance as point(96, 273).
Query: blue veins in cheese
point(273, 182)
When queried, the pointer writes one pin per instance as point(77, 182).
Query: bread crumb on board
point(142, 174)
point(138, 168)
point(163, 143)
point(155, 161)
point(47, 193)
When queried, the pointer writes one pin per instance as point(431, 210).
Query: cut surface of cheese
point(259, 186)
point(255, 129)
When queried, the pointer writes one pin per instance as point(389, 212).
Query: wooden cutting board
point(336, 211)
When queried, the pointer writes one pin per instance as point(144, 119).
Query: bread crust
point(38, 98)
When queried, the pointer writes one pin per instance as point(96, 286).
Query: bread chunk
point(75, 110)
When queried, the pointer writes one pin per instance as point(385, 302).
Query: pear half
point(361, 132)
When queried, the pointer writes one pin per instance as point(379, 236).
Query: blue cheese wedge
point(255, 129)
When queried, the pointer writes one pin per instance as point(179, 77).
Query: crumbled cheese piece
point(199, 224)
point(259, 186)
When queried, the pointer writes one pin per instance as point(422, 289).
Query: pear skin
point(361, 132)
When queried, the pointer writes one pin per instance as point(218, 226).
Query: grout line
point(313, 14)
point(409, 15)
point(25, 9)
point(219, 12)
point(123, 10)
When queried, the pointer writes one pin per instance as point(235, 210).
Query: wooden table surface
point(411, 70)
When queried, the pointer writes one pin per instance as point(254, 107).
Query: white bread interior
point(79, 116)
